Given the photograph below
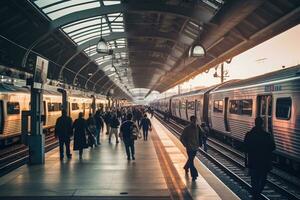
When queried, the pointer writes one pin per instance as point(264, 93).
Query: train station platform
point(105, 173)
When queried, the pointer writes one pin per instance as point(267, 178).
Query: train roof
point(195, 92)
point(4, 87)
point(265, 78)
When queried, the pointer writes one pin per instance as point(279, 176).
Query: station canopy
point(148, 40)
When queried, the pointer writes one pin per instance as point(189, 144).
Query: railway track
point(231, 163)
point(15, 157)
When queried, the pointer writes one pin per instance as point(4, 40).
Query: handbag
point(135, 132)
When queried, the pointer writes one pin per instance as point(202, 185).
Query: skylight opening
point(111, 2)
point(63, 12)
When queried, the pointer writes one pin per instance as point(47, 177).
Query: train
point(15, 99)
point(229, 109)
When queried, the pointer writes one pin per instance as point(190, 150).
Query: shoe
point(133, 158)
point(69, 156)
point(117, 142)
point(186, 170)
point(194, 178)
point(61, 158)
point(128, 158)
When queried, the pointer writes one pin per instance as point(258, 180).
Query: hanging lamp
point(102, 47)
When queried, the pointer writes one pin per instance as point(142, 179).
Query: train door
point(197, 110)
point(179, 108)
point(44, 113)
point(83, 109)
point(226, 114)
point(69, 110)
point(1, 117)
point(264, 105)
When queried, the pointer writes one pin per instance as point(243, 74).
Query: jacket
point(114, 123)
point(63, 128)
point(79, 127)
point(145, 123)
point(190, 137)
point(259, 146)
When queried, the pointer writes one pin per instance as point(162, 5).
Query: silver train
point(13, 100)
point(230, 109)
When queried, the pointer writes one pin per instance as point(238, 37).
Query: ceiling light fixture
point(197, 51)
point(102, 47)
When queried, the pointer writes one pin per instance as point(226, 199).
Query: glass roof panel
point(111, 2)
point(82, 25)
point(43, 3)
point(67, 10)
point(67, 4)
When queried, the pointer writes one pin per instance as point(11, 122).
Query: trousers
point(145, 133)
point(115, 132)
point(66, 143)
point(129, 147)
point(258, 181)
point(190, 163)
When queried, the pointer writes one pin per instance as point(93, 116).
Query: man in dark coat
point(114, 125)
point(259, 146)
point(79, 127)
point(146, 125)
point(126, 133)
point(63, 130)
point(107, 120)
point(190, 138)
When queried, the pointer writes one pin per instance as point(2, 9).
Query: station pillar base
point(36, 149)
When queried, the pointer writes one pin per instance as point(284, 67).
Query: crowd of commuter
point(121, 123)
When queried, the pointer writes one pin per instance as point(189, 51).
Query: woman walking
point(79, 128)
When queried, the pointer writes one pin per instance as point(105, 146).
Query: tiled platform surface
point(105, 173)
point(207, 186)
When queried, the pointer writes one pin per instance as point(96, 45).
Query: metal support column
point(36, 138)
point(64, 100)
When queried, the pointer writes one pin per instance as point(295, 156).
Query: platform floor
point(105, 173)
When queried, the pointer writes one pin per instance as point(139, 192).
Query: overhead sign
point(40, 73)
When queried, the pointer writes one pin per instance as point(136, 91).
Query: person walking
point(259, 146)
point(107, 120)
point(79, 128)
point(91, 129)
point(190, 138)
point(128, 135)
point(115, 123)
point(99, 125)
point(145, 124)
point(63, 131)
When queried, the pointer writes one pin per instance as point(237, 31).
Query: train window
point(13, 108)
point(182, 105)
point(191, 105)
point(234, 107)
point(283, 108)
point(218, 106)
point(75, 106)
point(54, 107)
point(246, 106)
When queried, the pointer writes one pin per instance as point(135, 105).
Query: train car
point(192, 103)
point(230, 109)
point(273, 96)
point(14, 99)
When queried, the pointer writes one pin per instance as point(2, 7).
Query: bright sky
point(271, 55)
